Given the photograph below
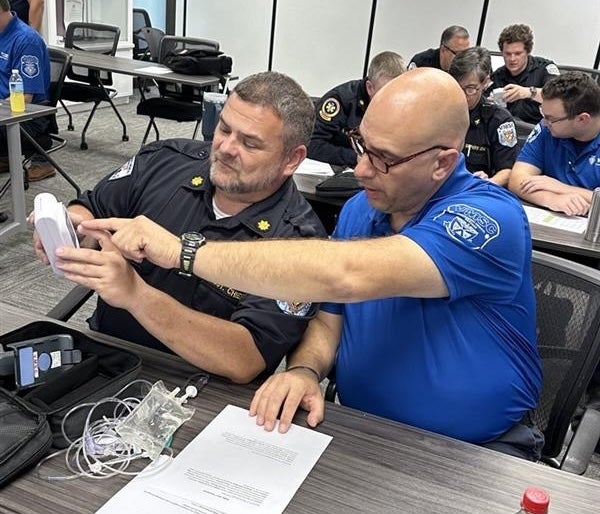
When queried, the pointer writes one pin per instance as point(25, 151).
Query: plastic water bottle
point(17, 94)
point(534, 501)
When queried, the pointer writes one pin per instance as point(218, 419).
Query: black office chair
point(568, 335)
point(568, 321)
point(90, 84)
point(141, 19)
point(177, 102)
point(595, 74)
point(152, 38)
point(49, 142)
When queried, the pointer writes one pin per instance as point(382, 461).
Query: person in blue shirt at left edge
point(430, 269)
point(23, 49)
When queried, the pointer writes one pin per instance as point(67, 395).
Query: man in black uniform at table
point(454, 39)
point(523, 74)
point(342, 108)
point(238, 189)
point(491, 143)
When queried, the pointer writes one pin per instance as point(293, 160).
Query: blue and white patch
point(4, 56)
point(537, 130)
point(552, 69)
point(294, 308)
point(30, 66)
point(123, 171)
point(594, 160)
point(469, 225)
point(507, 134)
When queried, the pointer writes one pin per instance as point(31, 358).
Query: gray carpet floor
point(24, 281)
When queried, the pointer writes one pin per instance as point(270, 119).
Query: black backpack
point(198, 62)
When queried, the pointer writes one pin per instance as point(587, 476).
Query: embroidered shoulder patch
point(123, 171)
point(469, 225)
point(30, 66)
point(552, 69)
point(329, 109)
point(507, 134)
point(294, 308)
point(412, 65)
point(537, 130)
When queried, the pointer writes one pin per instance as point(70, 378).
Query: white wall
point(322, 43)
point(242, 27)
point(411, 27)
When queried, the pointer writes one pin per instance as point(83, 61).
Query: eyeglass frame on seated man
point(358, 145)
point(551, 120)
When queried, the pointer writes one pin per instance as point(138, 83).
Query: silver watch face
point(192, 237)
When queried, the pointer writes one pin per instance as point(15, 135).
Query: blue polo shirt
point(23, 49)
point(559, 158)
point(466, 366)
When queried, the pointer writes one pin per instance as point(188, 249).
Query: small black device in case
point(190, 242)
point(31, 418)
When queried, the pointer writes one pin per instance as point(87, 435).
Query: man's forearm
point(215, 345)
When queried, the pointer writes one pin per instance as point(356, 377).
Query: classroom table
point(137, 68)
point(372, 465)
point(12, 120)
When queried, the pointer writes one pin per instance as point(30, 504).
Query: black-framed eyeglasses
point(378, 162)
point(550, 119)
point(453, 52)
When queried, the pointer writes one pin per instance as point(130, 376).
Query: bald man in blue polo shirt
point(23, 49)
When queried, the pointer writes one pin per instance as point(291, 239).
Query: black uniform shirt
point(537, 72)
point(340, 109)
point(168, 181)
point(427, 59)
point(491, 141)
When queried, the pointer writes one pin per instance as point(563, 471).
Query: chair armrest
point(581, 447)
point(71, 303)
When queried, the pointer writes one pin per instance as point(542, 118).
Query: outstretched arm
point(296, 270)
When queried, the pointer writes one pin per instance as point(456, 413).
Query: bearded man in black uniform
point(491, 143)
point(342, 108)
point(239, 188)
point(454, 39)
point(523, 75)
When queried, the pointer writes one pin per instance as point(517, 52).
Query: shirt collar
point(262, 217)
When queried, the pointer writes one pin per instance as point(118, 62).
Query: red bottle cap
point(535, 500)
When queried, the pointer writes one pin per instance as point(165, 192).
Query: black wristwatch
point(190, 242)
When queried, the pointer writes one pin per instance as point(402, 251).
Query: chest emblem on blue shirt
point(294, 308)
point(329, 109)
point(469, 225)
point(537, 130)
point(594, 160)
point(30, 66)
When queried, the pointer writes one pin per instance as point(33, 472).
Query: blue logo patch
point(537, 130)
point(30, 66)
point(469, 225)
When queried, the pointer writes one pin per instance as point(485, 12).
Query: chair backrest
point(59, 65)
point(92, 37)
point(152, 38)
point(173, 43)
point(568, 332)
point(595, 74)
point(141, 20)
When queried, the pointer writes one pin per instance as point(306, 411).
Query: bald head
point(421, 107)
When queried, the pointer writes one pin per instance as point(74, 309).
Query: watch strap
point(189, 247)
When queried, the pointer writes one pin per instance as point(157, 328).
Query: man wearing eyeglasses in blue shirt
point(559, 165)
point(434, 323)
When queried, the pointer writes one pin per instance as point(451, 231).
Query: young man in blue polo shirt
point(23, 49)
point(434, 323)
point(559, 166)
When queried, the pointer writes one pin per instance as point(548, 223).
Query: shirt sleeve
point(478, 247)
point(533, 149)
point(29, 58)
point(502, 135)
point(327, 129)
